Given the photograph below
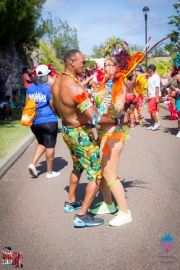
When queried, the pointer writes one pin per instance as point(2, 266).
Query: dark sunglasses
point(110, 65)
point(82, 61)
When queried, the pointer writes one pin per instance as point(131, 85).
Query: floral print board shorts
point(84, 150)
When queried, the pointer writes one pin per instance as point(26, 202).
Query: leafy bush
point(50, 57)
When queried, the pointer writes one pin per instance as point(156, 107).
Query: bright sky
point(98, 20)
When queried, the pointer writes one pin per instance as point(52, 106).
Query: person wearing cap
point(154, 96)
point(45, 124)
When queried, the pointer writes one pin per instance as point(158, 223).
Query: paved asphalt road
point(33, 221)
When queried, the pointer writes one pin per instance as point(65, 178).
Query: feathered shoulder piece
point(80, 98)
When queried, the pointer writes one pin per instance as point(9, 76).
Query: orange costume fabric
point(119, 135)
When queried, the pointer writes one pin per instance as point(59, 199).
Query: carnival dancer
point(172, 92)
point(112, 140)
point(175, 86)
point(76, 111)
point(111, 143)
point(117, 68)
point(131, 97)
point(141, 91)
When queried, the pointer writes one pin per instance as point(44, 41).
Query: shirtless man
point(76, 112)
point(175, 86)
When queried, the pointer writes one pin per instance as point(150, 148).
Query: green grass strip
point(12, 132)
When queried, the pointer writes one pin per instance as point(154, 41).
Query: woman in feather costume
point(112, 138)
point(117, 68)
point(175, 87)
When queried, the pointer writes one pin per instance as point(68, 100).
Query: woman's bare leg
point(126, 107)
point(106, 192)
point(109, 165)
point(131, 110)
point(49, 159)
point(126, 118)
point(173, 98)
point(179, 120)
point(39, 151)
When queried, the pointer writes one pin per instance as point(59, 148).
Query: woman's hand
point(108, 102)
point(93, 76)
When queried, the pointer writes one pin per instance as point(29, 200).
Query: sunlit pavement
point(33, 222)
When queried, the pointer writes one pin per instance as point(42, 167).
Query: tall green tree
point(97, 51)
point(90, 63)
point(160, 52)
point(135, 48)
point(47, 55)
point(60, 35)
point(21, 23)
point(174, 46)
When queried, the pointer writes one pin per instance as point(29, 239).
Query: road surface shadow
point(147, 122)
point(133, 183)
point(172, 131)
point(59, 164)
point(166, 117)
point(80, 193)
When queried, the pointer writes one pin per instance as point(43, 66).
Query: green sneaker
point(103, 208)
point(121, 218)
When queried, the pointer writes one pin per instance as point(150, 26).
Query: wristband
point(177, 89)
point(116, 121)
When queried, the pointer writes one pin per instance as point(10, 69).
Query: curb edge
point(15, 153)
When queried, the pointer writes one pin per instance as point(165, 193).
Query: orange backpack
point(28, 113)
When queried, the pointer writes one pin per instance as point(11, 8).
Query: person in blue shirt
point(45, 124)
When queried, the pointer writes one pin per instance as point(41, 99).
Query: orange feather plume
point(80, 98)
point(102, 85)
point(118, 86)
point(132, 63)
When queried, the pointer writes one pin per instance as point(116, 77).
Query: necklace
point(71, 76)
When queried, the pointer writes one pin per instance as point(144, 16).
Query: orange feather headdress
point(132, 62)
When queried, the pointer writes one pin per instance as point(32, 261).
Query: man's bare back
point(64, 91)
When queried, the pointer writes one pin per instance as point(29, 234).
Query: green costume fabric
point(84, 150)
